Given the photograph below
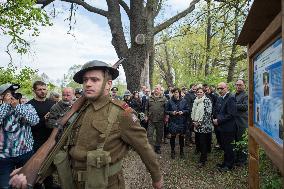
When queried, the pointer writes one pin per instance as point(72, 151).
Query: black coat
point(178, 120)
point(190, 97)
point(224, 112)
point(242, 109)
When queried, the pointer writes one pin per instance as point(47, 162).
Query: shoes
point(220, 165)
point(225, 168)
point(173, 154)
point(201, 164)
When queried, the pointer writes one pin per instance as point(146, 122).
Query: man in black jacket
point(241, 117)
point(225, 122)
point(190, 97)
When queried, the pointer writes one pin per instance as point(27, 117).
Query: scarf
point(198, 109)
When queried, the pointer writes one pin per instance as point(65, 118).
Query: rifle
point(34, 164)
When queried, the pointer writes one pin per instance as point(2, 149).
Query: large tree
point(142, 29)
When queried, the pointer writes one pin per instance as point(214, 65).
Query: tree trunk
point(233, 62)
point(208, 39)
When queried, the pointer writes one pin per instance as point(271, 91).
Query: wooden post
point(253, 164)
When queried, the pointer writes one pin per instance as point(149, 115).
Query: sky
point(54, 51)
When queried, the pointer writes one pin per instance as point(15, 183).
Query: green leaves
point(21, 17)
point(23, 76)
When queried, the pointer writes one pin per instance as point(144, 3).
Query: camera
point(17, 96)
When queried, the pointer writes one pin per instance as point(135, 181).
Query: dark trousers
point(227, 139)
point(173, 142)
point(7, 165)
point(241, 152)
point(189, 131)
point(197, 142)
point(204, 142)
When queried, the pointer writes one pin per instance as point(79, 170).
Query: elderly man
point(241, 118)
point(102, 135)
point(58, 110)
point(224, 120)
point(155, 114)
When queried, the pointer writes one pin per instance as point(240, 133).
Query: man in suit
point(241, 117)
point(225, 122)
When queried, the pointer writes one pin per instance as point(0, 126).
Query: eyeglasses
point(220, 88)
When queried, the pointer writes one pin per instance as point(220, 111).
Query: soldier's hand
point(18, 180)
point(159, 184)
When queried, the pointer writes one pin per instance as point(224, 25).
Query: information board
point(268, 111)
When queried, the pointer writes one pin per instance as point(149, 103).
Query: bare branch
point(175, 18)
point(88, 7)
point(44, 2)
point(158, 9)
point(125, 7)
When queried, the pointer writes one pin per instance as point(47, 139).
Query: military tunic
point(155, 110)
point(126, 131)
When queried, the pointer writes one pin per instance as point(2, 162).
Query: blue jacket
point(177, 105)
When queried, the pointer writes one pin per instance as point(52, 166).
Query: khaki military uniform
point(90, 129)
point(155, 110)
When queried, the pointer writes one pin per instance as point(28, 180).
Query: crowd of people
point(200, 111)
point(191, 115)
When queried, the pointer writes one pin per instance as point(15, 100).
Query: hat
point(9, 86)
point(127, 93)
point(114, 89)
point(95, 65)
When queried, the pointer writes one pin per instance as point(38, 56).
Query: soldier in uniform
point(155, 114)
point(102, 134)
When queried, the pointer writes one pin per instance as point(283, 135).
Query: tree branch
point(88, 7)
point(175, 18)
point(158, 8)
point(125, 7)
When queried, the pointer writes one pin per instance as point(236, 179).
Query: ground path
point(184, 174)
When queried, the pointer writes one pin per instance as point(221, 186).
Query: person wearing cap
point(114, 94)
point(78, 92)
point(102, 135)
point(16, 141)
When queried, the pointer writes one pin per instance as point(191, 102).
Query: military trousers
point(155, 133)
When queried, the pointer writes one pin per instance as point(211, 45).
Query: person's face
point(157, 90)
point(193, 88)
point(136, 95)
point(240, 86)
point(206, 88)
point(78, 95)
point(222, 89)
point(67, 95)
point(127, 97)
point(147, 92)
point(199, 93)
point(40, 91)
point(55, 98)
point(176, 94)
point(92, 84)
point(114, 93)
point(7, 96)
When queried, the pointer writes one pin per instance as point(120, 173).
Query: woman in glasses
point(202, 123)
